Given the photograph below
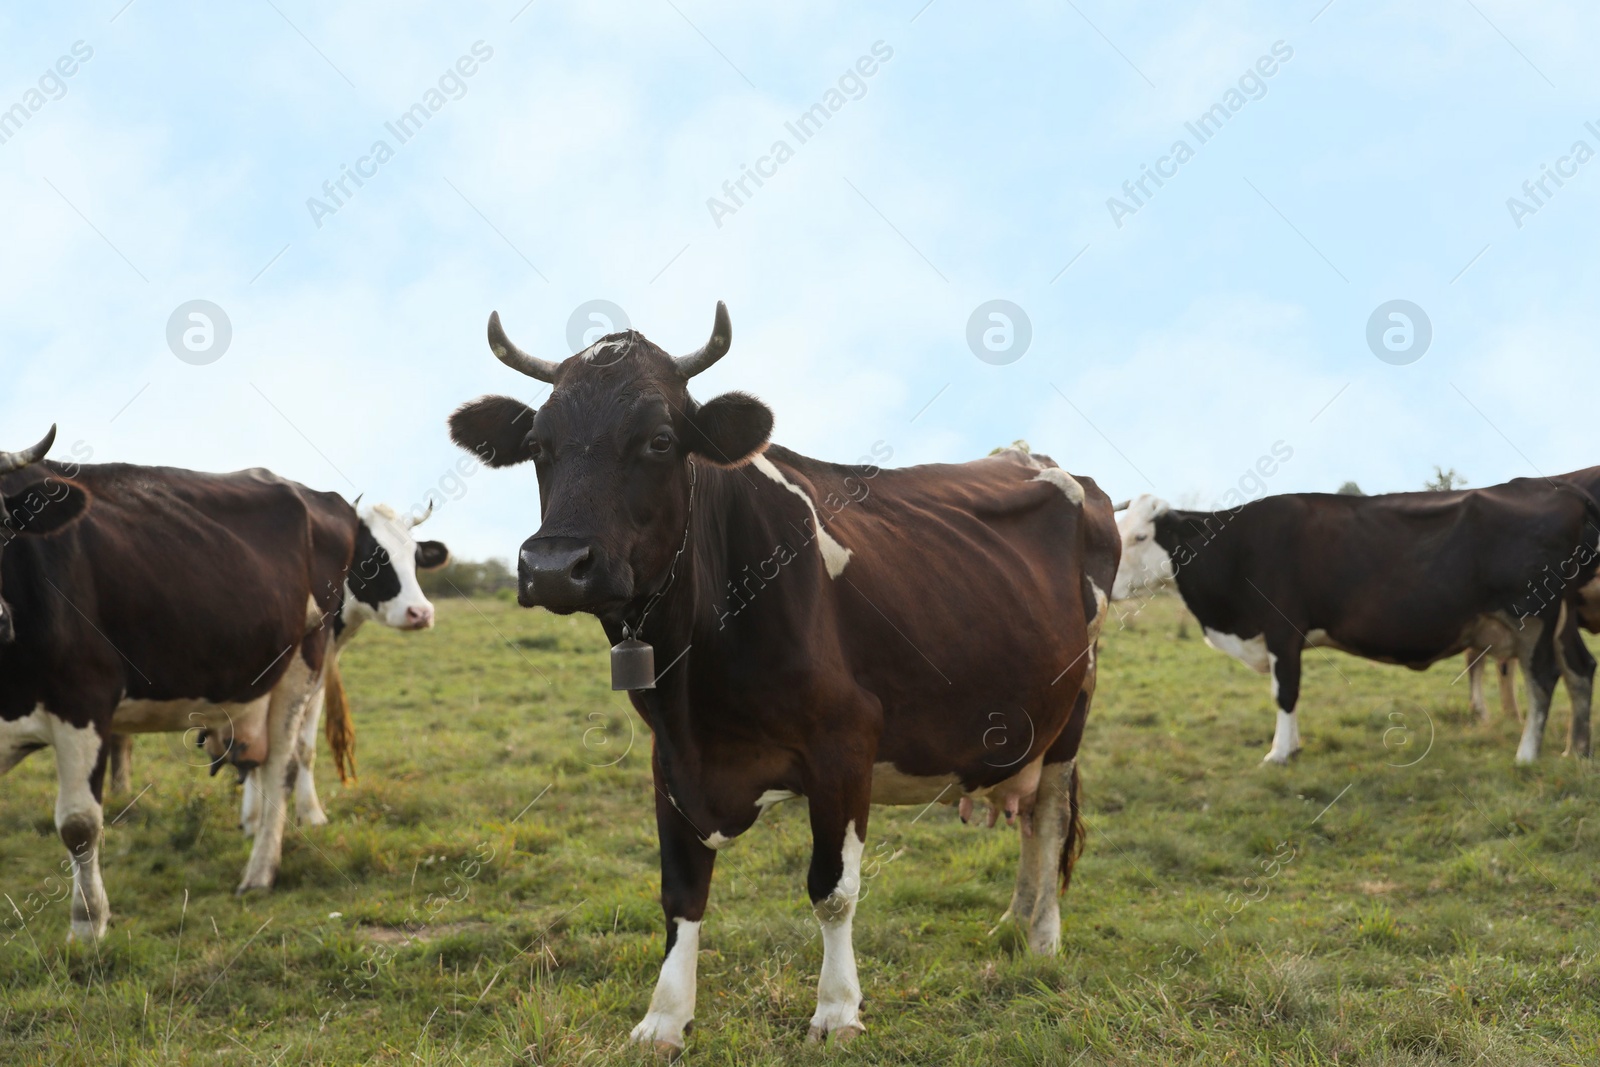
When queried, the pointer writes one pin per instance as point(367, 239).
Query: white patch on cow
point(1145, 564)
point(78, 815)
point(834, 555)
point(1099, 621)
point(717, 841)
point(600, 348)
point(891, 786)
point(1272, 672)
point(672, 1004)
point(838, 989)
point(773, 796)
point(1252, 652)
point(410, 609)
point(18, 737)
point(1285, 739)
point(1069, 486)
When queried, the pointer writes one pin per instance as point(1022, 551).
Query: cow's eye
point(535, 449)
point(1141, 537)
point(661, 442)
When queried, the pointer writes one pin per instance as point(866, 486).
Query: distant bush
point(1350, 489)
point(461, 577)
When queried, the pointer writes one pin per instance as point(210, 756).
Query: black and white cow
point(1406, 578)
point(154, 599)
point(381, 586)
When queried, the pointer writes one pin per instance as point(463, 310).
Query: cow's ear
point(729, 429)
point(431, 555)
point(495, 429)
point(45, 507)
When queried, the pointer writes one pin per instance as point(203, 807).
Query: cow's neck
point(688, 626)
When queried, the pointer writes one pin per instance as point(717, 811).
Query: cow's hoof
point(839, 1035)
point(86, 930)
point(656, 1034)
point(315, 818)
point(262, 884)
point(1276, 759)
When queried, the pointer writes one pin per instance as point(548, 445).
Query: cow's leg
point(307, 806)
point(686, 864)
point(838, 836)
point(1052, 836)
point(1284, 665)
point(120, 749)
point(250, 803)
point(1475, 700)
point(1508, 688)
point(1577, 670)
point(276, 775)
point(80, 774)
point(1540, 670)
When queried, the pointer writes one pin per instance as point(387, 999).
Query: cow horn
point(1122, 506)
point(514, 357)
point(713, 350)
point(420, 519)
point(15, 461)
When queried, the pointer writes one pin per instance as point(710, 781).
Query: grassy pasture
point(486, 893)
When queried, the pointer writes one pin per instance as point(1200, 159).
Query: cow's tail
point(1072, 840)
point(337, 724)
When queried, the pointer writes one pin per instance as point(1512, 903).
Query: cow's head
point(382, 581)
point(34, 508)
point(614, 446)
point(1145, 564)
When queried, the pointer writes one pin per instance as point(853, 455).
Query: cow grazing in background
point(381, 585)
point(148, 598)
point(1406, 578)
point(846, 634)
point(1498, 646)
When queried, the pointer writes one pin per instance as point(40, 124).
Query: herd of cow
point(871, 659)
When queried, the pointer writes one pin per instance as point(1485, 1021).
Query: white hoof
point(840, 1021)
point(662, 1033)
point(1276, 758)
point(86, 930)
point(314, 818)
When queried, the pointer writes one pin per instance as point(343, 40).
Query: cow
point(1406, 578)
point(381, 585)
point(848, 634)
point(150, 598)
point(1501, 651)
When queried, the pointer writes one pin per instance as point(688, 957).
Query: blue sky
point(1227, 314)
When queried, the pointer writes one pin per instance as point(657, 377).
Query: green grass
point(1442, 912)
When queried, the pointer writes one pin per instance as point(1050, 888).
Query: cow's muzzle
point(557, 573)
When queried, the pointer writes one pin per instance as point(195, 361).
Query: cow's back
point(966, 602)
point(202, 583)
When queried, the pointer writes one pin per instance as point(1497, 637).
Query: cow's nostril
point(581, 566)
